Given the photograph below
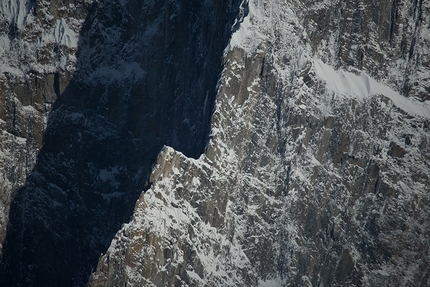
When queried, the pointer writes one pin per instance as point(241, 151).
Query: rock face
point(316, 171)
point(314, 176)
point(387, 39)
point(37, 59)
point(130, 77)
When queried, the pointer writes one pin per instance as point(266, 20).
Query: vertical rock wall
point(387, 39)
point(38, 43)
point(312, 177)
point(317, 167)
point(144, 74)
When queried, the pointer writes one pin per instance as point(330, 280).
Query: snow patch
point(16, 12)
point(247, 37)
point(106, 175)
point(363, 86)
point(61, 34)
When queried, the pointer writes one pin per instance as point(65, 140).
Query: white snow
point(32, 39)
point(170, 208)
point(10, 69)
point(247, 37)
point(16, 12)
point(363, 86)
point(61, 34)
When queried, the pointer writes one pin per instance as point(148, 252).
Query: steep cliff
point(93, 91)
point(294, 138)
point(317, 171)
point(38, 42)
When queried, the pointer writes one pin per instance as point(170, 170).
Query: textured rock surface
point(387, 39)
point(317, 168)
point(312, 177)
point(38, 43)
point(138, 75)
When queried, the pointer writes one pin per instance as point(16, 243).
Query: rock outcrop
point(294, 140)
point(314, 176)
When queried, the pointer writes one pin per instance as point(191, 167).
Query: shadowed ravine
point(146, 77)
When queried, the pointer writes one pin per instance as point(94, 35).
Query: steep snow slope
point(362, 86)
point(317, 171)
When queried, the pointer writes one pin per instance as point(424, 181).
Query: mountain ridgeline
point(215, 143)
point(317, 171)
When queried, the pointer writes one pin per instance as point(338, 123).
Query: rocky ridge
point(317, 171)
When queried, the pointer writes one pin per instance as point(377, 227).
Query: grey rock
point(142, 74)
point(311, 167)
point(299, 185)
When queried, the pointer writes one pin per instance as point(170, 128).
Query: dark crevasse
point(146, 76)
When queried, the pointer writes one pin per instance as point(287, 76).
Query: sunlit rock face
point(317, 170)
point(387, 39)
point(294, 138)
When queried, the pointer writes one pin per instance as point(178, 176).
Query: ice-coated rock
point(38, 43)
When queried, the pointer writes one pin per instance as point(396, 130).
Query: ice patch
point(363, 86)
